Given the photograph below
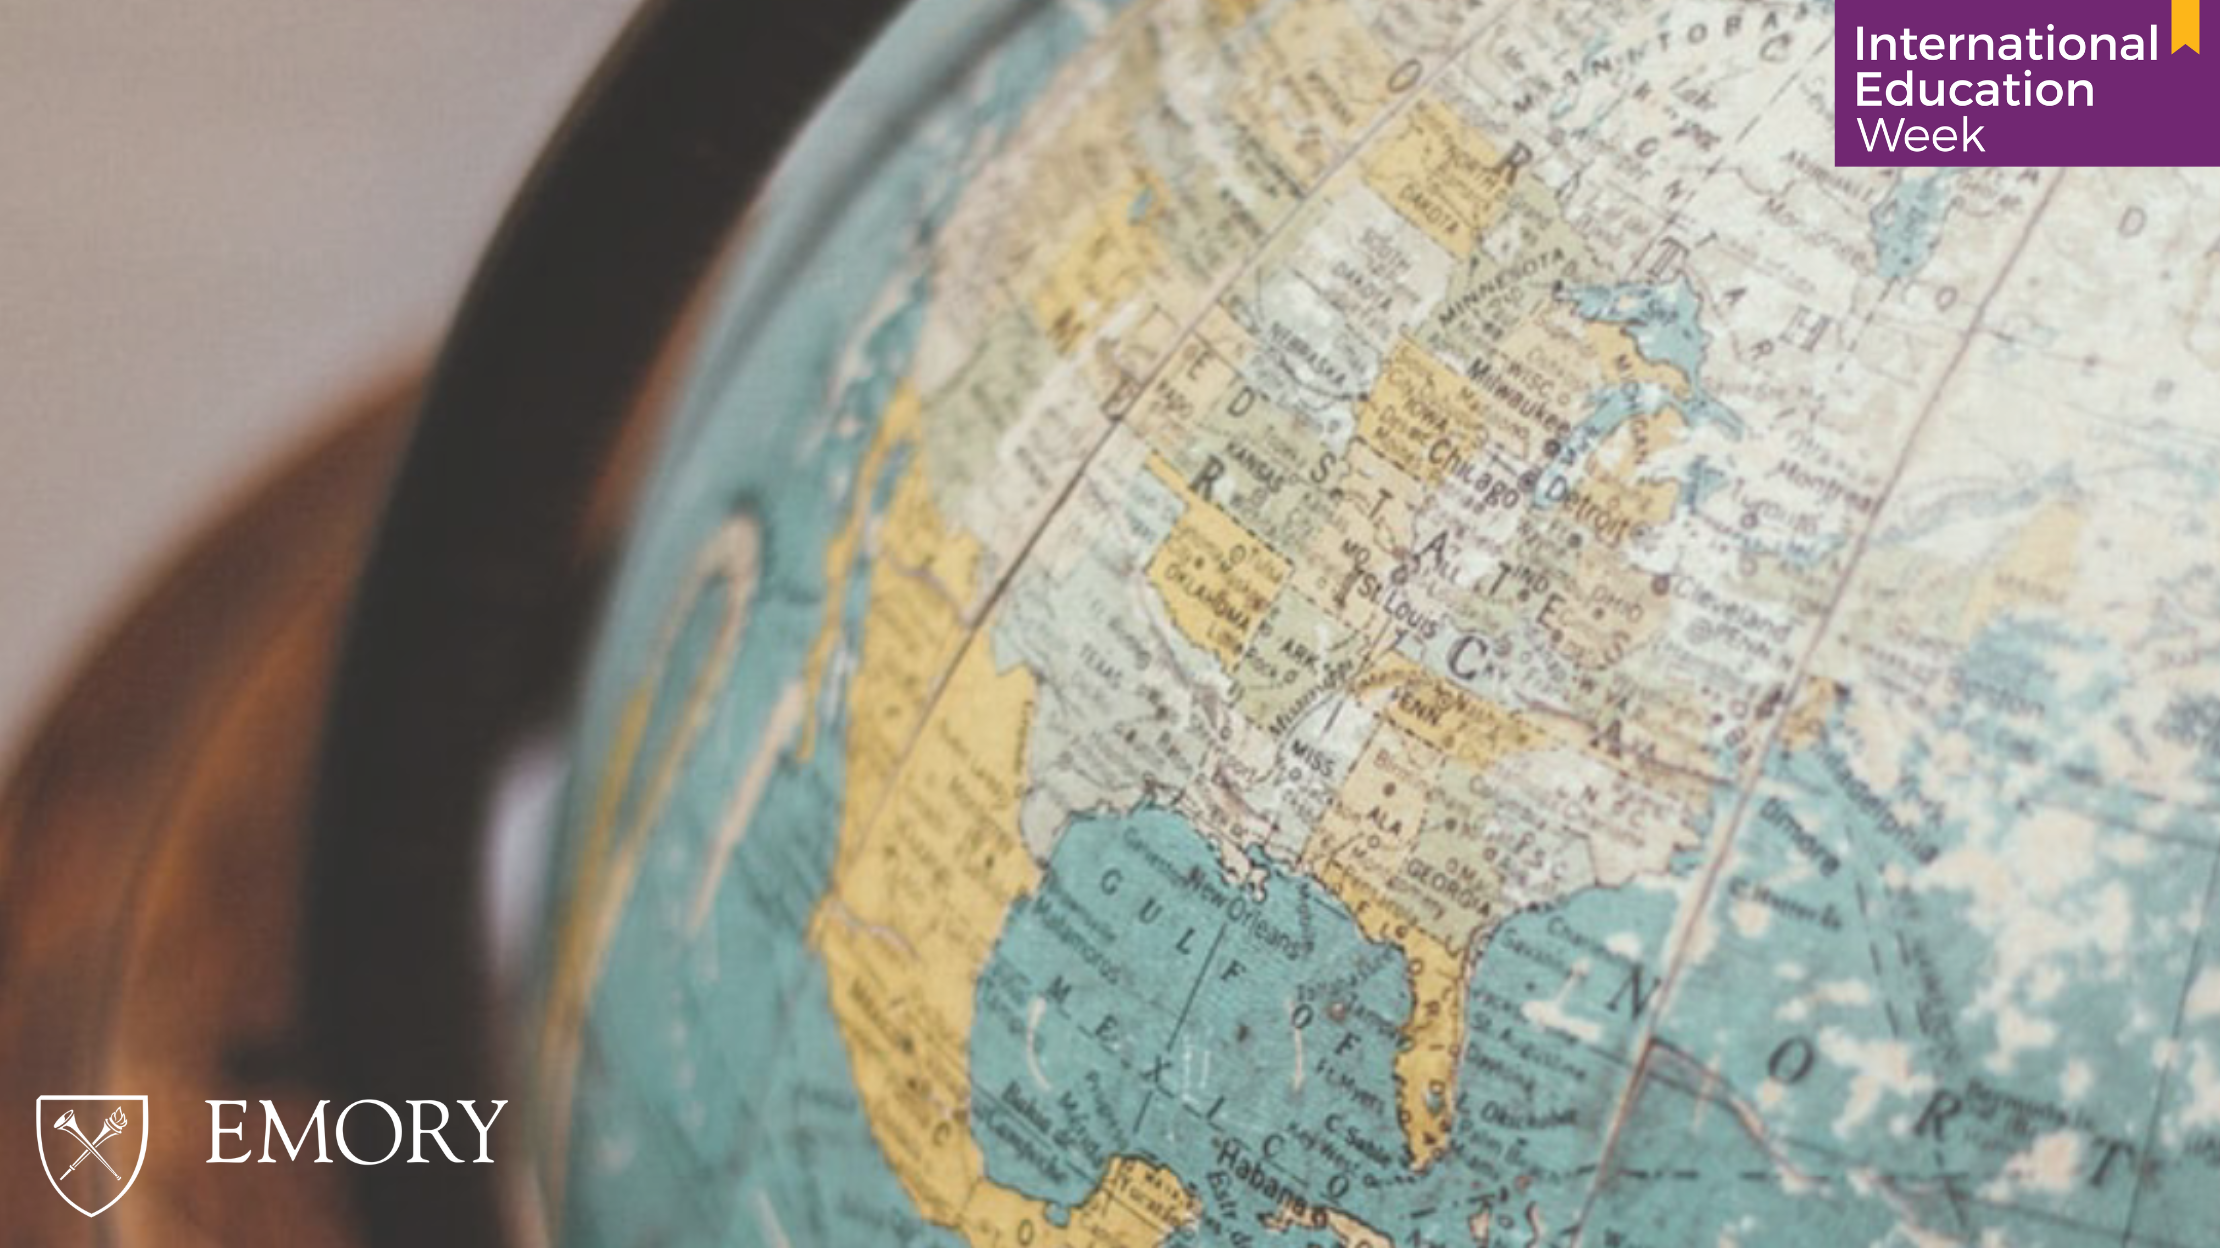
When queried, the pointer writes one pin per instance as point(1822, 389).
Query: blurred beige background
point(216, 218)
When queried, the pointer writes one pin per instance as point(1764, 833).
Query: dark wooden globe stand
point(241, 857)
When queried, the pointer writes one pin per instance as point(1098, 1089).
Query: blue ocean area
point(1852, 934)
point(1140, 1005)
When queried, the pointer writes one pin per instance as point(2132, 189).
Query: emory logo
point(87, 1170)
point(413, 1134)
point(84, 1141)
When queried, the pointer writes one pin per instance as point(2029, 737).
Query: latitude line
point(1821, 633)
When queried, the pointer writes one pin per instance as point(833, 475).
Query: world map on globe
point(1405, 622)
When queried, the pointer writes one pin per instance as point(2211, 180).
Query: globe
point(1404, 622)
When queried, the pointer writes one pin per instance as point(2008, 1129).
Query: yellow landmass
point(1365, 841)
point(2037, 572)
point(1613, 350)
point(1613, 501)
point(1217, 579)
point(1421, 415)
point(1548, 355)
point(1348, 1230)
point(918, 892)
point(1312, 85)
point(1432, 709)
point(1368, 842)
point(1433, 1036)
point(917, 899)
point(929, 862)
point(1230, 13)
point(1100, 266)
point(1441, 173)
point(1808, 715)
point(1136, 1203)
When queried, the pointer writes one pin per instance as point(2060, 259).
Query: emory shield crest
point(92, 1147)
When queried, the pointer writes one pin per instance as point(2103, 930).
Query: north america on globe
point(1406, 624)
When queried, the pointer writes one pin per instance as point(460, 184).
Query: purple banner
point(2025, 82)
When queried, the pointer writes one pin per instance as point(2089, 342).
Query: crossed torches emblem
point(113, 1126)
point(94, 1147)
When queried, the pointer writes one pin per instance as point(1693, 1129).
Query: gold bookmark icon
point(2185, 26)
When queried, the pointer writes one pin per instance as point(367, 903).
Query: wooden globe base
point(152, 850)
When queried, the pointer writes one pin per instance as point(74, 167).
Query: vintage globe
point(1404, 622)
